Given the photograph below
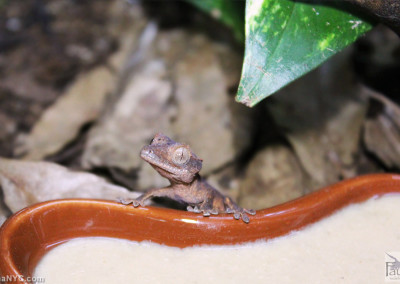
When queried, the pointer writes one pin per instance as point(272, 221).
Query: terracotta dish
point(27, 235)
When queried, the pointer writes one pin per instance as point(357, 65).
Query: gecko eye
point(181, 156)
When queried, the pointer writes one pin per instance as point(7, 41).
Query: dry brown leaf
point(179, 87)
point(206, 119)
point(322, 115)
point(85, 98)
point(273, 176)
point(23, 85)
point(62, 121)
point(3, 214)
point(382, 130)
point(25, 183)
point(128, 22)
point(117, 140)
point(227, 181)
point(135, 112)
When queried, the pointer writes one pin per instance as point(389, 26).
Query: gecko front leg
point(155, 192)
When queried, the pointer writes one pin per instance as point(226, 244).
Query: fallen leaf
point(207, 120)
point(179, 85)
point(321, 116)
point(62, 121)
point(227, 181)
point(3, 214)
point(382, 130)
point(4, 211)
point(135, 111)
point(24, 86)
point(128, 22)
point(85, 98)
point(136, 117)
point(272, 177)
point(25, 183)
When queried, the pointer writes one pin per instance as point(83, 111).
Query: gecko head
point(174, 161)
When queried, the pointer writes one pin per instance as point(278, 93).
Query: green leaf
point(286, 39)
point(229, 12)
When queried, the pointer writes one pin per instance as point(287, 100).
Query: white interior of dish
point(351, 246)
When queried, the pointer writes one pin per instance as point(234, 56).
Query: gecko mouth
point(154, 160)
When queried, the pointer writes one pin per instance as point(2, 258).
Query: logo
point(392, 267)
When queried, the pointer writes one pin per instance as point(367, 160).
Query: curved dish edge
point(29, 233)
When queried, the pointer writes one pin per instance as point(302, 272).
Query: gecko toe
point(190, 208)
point(196, 209)
point(206, 213)
point(245, 218)
point(236, 215)
point(229, 210)
point(125, 201)
point(250, 211)
point(214, 211)
point(137, 203)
